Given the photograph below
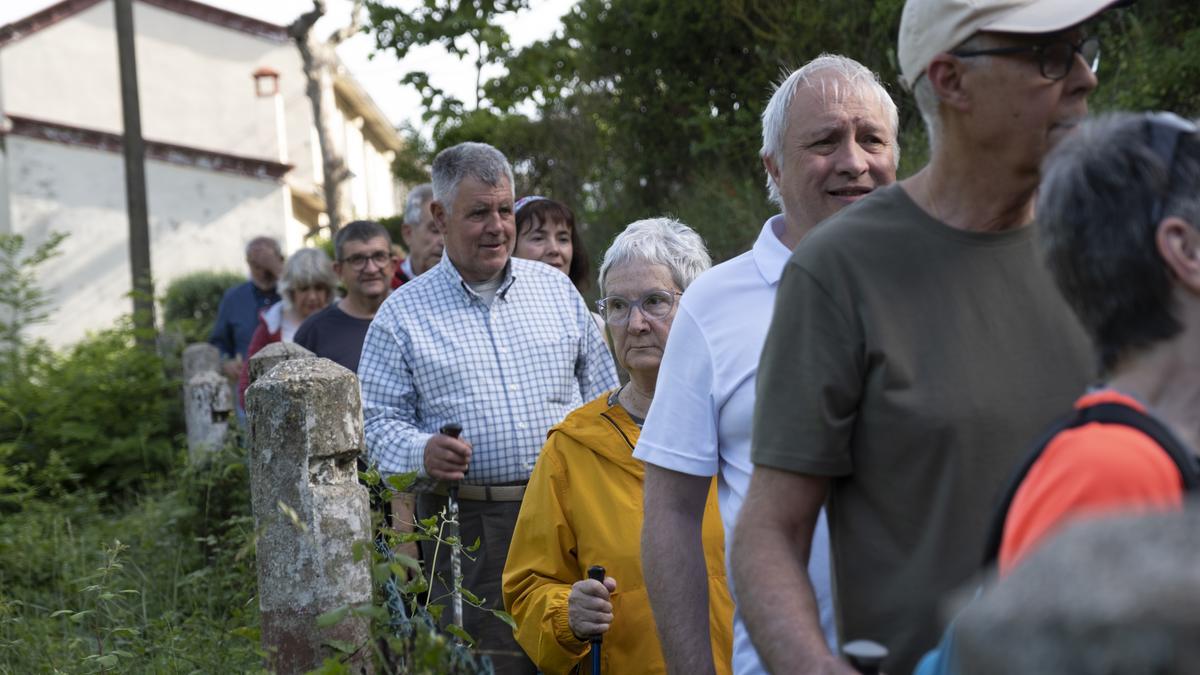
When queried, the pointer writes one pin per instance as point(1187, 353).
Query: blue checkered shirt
point(436, 353)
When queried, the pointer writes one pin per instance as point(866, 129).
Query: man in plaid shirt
point(505, 347)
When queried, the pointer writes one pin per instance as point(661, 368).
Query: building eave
point(172, 153)
point(65, 9)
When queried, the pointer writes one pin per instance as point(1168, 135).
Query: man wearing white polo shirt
point(829, 138)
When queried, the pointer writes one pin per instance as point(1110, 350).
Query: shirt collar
point(455, 279)
point(769, 253)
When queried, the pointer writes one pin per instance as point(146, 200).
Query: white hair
point(478, 160)
point(418, 197)
point(844, 69)
point(658, 241)
point(304, 268)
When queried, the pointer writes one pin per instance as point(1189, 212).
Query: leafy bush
point(191, 302)
point(104, 409)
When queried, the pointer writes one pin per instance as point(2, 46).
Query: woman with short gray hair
point(583, 505)
point(307, 286)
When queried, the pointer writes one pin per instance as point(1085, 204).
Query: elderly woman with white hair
point(307, 286)
point(583, 505)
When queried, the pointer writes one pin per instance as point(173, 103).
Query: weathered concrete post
point(207, 401)
point(200, 357)
point(305, 438)
point(272, 355)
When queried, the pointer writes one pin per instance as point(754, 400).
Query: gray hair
point(306, 267)
point(927, 99)
point(418, 197)
point(1098, 193)
point(658, 241)
point(477, 160)
point(264, 242)
point(844, 69)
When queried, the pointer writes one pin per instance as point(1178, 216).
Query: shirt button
point(504, 350)
point(512, 387)
point(521, 425)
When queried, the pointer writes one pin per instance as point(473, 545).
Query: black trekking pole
point(596, 572)
point(453, 430)
point(865, 655)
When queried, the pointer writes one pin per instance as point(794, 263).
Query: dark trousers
point(492, 523)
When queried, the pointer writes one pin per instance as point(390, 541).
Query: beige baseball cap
point(930, 27)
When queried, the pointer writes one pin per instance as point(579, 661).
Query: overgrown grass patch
point(166, 584)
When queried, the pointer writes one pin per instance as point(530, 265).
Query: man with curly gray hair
point(829, 139)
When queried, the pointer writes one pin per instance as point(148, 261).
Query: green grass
point(164, 583)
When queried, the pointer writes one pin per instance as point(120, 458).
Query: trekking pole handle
point(453, 430)
point(865, 655)
point(597, 572)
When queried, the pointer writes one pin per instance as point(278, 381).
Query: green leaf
point(407, 561)
point(402, 481)
point(459, 633)
point(473, 547)
point(332, 617)
point(342, 646)
point(468, 595)
point(62, 612)
point(248, 632)
point(505, 617)
point(436, 612)
point(107, 661)
point(361, 550)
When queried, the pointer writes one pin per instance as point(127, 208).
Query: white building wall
point(199, 220)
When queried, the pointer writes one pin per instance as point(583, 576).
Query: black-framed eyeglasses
point(359, 260)
point(1054, 58)
point(1164, 129)
point(655, 305)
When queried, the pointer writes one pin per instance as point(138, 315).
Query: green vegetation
point(191, 301)
point(642, 107)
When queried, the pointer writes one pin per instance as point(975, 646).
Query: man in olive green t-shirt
point(917, 346)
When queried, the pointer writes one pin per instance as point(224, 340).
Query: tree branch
point(347, 32)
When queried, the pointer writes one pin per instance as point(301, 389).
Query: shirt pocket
point(553, 368)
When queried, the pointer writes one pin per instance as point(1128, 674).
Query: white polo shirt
point(703, 409)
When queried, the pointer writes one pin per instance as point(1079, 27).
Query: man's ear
point(406, 231)
point(1178, 243)
point(772, 169)
point(945, 73)
point(439, 214)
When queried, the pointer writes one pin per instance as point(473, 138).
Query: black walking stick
point(453, 430)
point(596, 572)
point(866, 656)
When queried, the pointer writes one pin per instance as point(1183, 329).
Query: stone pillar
point(207, 406)
point(305, 438)
point(200, 357)
point(274, 354)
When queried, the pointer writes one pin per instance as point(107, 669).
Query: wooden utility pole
point(135, 179)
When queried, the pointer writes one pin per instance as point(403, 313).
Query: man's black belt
point(484, 493)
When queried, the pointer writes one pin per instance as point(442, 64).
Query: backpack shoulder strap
point(1104, 413)
point(1115, 413)
point(996, 528)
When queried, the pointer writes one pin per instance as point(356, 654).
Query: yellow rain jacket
point(583, 507)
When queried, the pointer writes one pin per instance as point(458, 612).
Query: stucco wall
point(199, 220)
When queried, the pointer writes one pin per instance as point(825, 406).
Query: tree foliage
point(639, 108)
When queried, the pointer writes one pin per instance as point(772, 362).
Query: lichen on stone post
point(208, 404)
point(305, 438)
